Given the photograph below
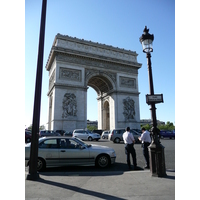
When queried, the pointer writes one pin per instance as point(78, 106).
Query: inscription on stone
point(127, 82)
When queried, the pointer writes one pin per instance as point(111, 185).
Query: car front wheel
point(103, 161)
point(90, 138)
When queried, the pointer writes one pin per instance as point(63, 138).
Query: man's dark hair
point(143, 129)
point(127, 128)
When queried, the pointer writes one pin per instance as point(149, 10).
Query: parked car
point(69, 134)
point(27, 136)
point(98, 131)
point(105, 134)
point(167, 134)
point(86, 135)
point(139, 131)
point(65, 151)
point(47, 133)
point(116, 135)
point(61, 132)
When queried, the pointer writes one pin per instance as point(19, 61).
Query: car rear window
point(51, 143)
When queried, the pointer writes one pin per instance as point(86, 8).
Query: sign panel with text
point(156, 98)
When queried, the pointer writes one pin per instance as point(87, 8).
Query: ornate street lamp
point(156, 150)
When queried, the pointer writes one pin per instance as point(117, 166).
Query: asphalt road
point(120, 164)
point(121, 157)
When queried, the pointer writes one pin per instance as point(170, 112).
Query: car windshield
point(83, 143)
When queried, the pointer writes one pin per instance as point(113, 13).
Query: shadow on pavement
point(79, 190)
point(116, 169)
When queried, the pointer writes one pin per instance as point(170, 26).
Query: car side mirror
point(81, 147)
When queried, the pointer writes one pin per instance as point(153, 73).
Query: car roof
point(56, 137)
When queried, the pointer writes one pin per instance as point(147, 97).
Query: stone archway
point(75, 64)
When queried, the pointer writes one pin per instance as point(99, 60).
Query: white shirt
point(145, 137)
point(128, 138)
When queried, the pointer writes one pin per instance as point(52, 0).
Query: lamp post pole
point(33, 174)
point(156, 150)
point(151, 90)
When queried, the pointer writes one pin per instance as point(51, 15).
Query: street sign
point(156, 98)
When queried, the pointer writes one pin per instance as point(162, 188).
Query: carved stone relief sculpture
point(70, 74)
point(129, 108)
point(69, 105)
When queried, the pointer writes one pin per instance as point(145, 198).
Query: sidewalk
point(119, 185)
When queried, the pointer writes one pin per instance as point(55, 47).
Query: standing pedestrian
point(146, 141)
point(129, 148)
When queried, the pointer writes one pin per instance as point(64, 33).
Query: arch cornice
point(90, 59)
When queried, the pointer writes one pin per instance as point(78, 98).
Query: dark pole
point(153, 107)
point(156, 149)
point(33, 174)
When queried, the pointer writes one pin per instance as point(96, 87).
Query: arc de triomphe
point(73, 65)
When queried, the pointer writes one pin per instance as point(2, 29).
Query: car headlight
point(113, 154)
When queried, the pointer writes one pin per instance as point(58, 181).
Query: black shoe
point(146, 167)
point(129, 167)
point(136, 168)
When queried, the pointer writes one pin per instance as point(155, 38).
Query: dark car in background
point(68, 133)
point(167, 134)
point(47, 133)
point(61, 132)
point(98, 131)
point(27, 136)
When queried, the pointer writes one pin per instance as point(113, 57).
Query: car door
point(85, 135)
point(80, 134)
point(48, 150)
point(73, 153)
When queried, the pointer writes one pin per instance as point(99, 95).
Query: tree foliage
point(169, 126)
point(91, 128)
point(42, 127)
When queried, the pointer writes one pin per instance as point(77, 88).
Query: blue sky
point(119, 23)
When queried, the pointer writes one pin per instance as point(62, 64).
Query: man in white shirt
point(129, 148)
point(146, 141)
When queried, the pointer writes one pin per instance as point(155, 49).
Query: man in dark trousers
point(129, 148)
point(146, 141)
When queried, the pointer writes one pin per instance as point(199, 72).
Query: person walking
point(146, 141)
point(129, 148)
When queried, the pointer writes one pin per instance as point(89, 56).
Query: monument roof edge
point(83, 41)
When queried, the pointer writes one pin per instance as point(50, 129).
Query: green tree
point(169, 126)
point(91, 128)
point(42, 127)
point(146, 126)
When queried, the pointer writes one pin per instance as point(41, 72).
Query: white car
point(85, 135)
point(65, 151)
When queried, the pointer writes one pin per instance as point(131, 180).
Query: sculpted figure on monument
point(69, 105)
point(129, 108)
